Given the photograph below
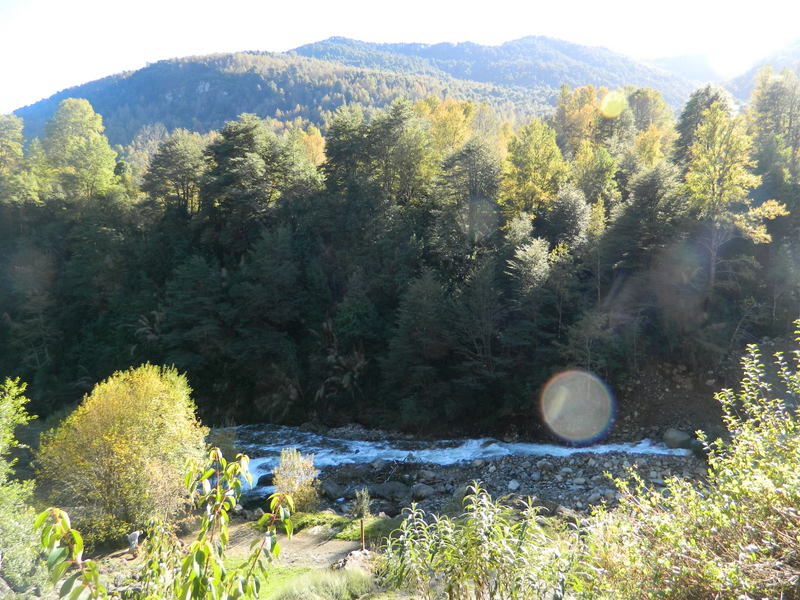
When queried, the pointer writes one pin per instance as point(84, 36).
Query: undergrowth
point(734, 535)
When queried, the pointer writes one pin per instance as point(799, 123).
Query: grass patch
point(277, 575)
point(325, 585)
point(348, 529)
point(376, 529)
point(303, 520)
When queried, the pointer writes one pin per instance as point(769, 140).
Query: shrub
point(121, 454)
point(296, 476)
point(735, 536)
point(361, 504)
point(169, 568)
point(487, 553)
point(20, 566)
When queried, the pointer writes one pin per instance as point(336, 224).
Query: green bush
point(362, 504)
point(171, 569)
point(121, 455)
point(296, 476)
point(21, 565)
point(735, 536)
point(487, 553)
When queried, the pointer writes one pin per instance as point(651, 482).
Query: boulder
point(332, 490)
point(358, 560)
point(426, 475)
point(378, 464)
point(264, 480)
point(513, 485)
point(391, 490)
point(675, 438)
point(545, 465)
point(421, 491)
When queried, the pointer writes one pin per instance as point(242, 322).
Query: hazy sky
point(48, 45)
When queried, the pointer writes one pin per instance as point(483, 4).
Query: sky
point(49, 45)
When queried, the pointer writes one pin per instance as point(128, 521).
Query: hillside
point(788, 57)
point(533, 62)
point(202, 93)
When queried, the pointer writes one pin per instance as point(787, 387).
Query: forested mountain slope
point(426, 266)
point(533, 62)
point(517, 79)
point(202, 93)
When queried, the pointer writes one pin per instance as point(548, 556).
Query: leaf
point(57, 555)
point(40, 518)
point(81, 592)
point(77, 547)
point(66, 587)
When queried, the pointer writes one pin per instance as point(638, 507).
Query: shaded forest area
point(427, 266)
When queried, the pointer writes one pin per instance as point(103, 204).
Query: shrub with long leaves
point(735, 535)
point(487, 553)
point(170, 570)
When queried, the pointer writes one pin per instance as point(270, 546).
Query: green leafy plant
point(169, 569)
point(361, 504)
point(19, 559)
point(486, 553)
point(736, 535)
point(296, 476)
point(121, 454)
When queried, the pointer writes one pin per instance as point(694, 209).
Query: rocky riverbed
point(574, 482)
point(398, 469)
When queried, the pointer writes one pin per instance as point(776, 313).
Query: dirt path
point(312, 548)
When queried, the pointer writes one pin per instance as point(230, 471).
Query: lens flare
point(612, 104)
point(577, 406)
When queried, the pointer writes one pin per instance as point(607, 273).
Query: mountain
point(533, 62)
point(201, 93)
point(694, 67)
point(788, 57)
point(518, 79)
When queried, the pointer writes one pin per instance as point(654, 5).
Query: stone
point(594, 497)
point(254, 515)
point(265, 480)
point(391, 490)
point(579, 481)
point(357, 560)
point(545, 465)
point(421, 491)
point(675, 438)
point(426, 475)
point(332, 490)
point(513, 485)
point(478, 463)
point(378, 464)
point(536, 476)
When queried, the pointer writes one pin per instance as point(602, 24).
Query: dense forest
point(306, 85)
point(423, 265)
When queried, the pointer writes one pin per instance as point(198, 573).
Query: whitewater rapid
point(263, 443)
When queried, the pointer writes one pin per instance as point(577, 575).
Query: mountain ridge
point(519, 79)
